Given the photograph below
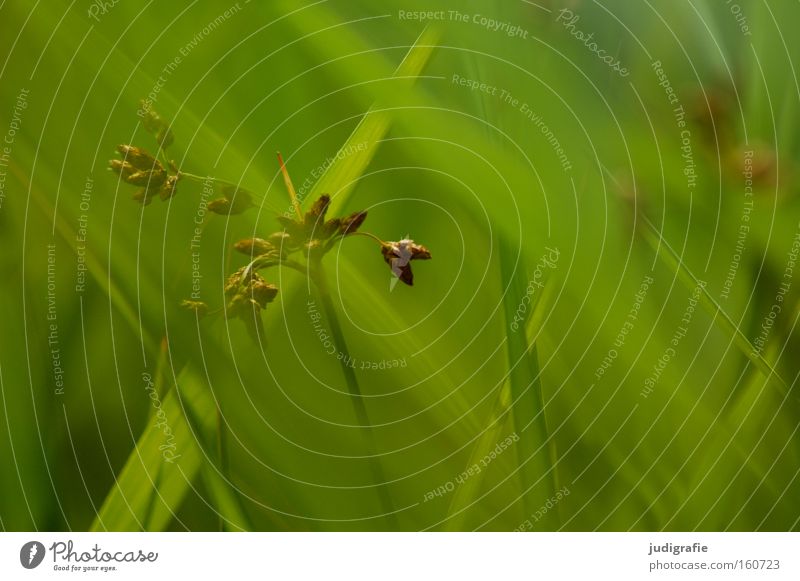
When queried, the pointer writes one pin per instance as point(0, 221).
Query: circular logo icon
point(31, 554)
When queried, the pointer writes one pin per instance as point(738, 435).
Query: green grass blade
point(340, 178)
point(468, 492)
point(200, 409)
point(93, 265)
point(535, 448)
point(149, 489)
point(671, 259)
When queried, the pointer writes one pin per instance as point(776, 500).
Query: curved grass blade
point(201, 411)
point(468, 492)
point(93, 264)
point(157, 475)
point(537, 467)
point(153, 483)
point(343, 176)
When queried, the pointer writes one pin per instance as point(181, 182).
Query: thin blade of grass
point(467, 493)
point(93, 264)
point(671, 259)
point(535, 448)
point(200, 409)
point(149, 489)
point(343, 176)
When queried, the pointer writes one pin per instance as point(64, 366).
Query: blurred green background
point(474, 174)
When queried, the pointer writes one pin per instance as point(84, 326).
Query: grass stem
point(321, 282)
point(222, 455)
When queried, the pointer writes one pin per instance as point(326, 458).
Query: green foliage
point(368, 107)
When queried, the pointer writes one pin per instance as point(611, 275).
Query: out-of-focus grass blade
point(662, 248)
point(467, 493)
point(93, 264)
point(150, 489)
point(535, 449)
point(200, 409)
point(342, 177)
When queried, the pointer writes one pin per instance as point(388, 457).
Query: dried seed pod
point(263, 293)
point(316, 213)
point(352, 222)
point(225, 207)
point(169, 188)
point(283, 242)
point(233, 193)
point(122, 168)
point(247, 292)
point(139, 158)
point(148, 178)
point(312, 231)
point(164, 137)
point(144, 196)
point(254, 246)
point(199, 307)
point(235, 201)
point(295, 233)
point(287, 223)
point(150, 119)
point(234, 281)
point(313, 248)
point(220, 206)
point(278, 239)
